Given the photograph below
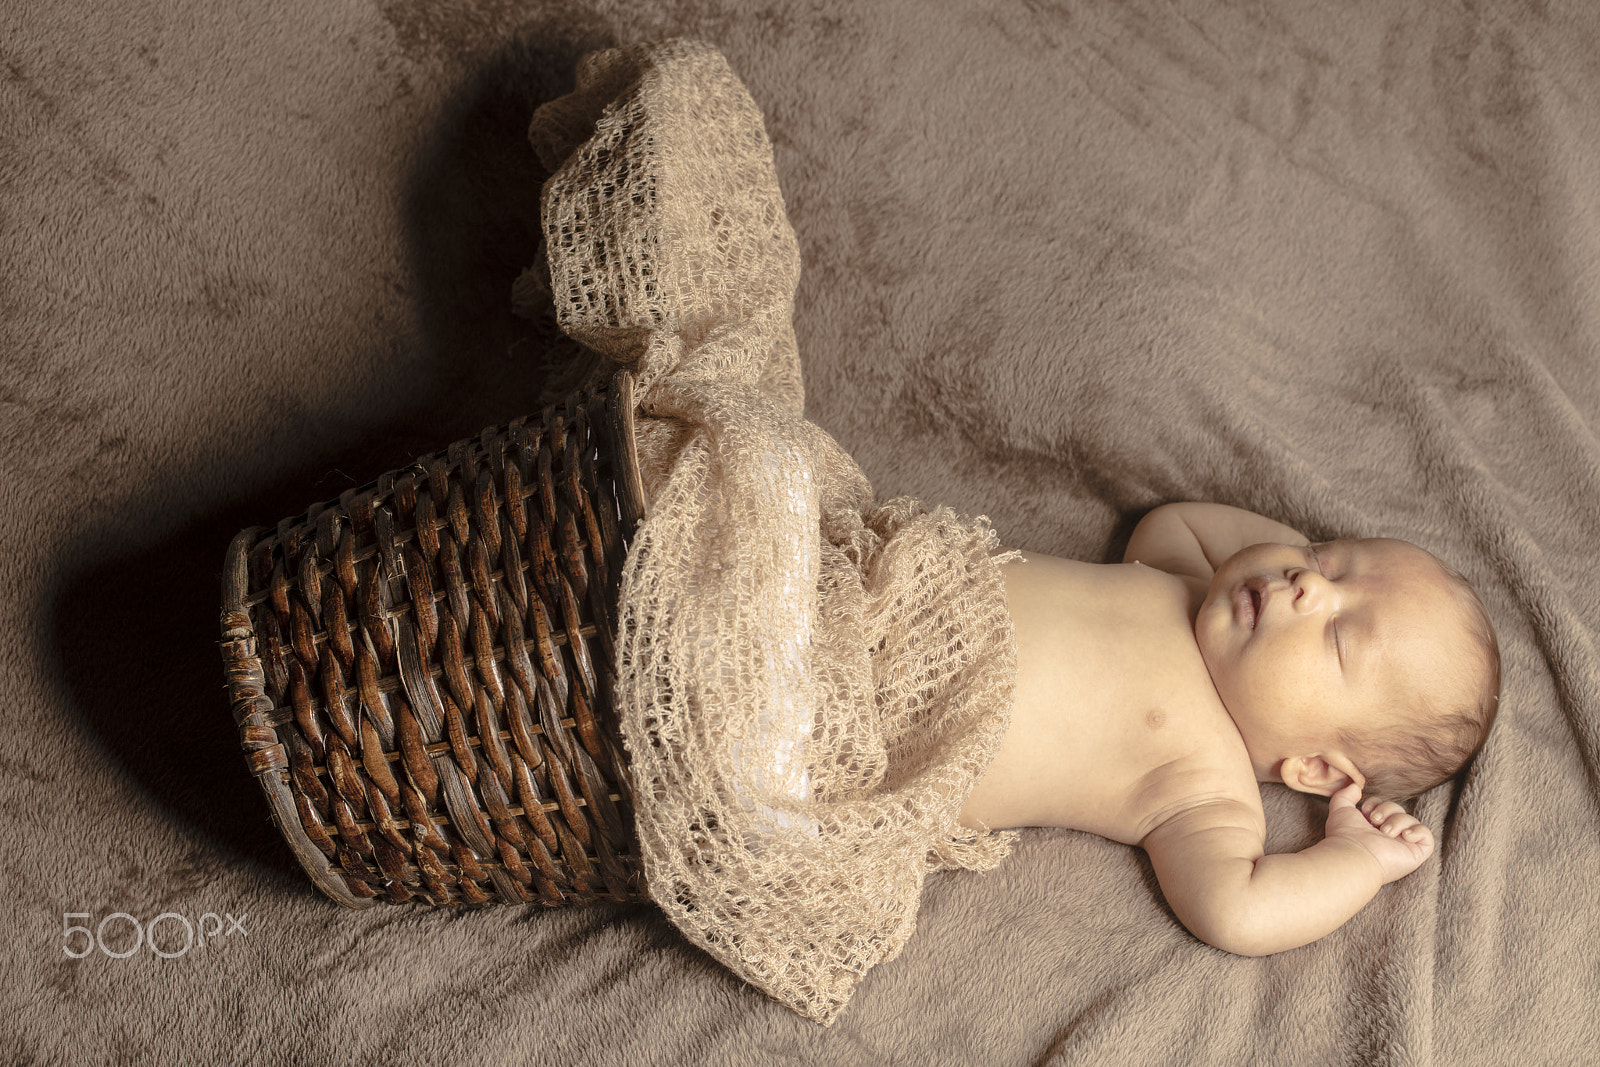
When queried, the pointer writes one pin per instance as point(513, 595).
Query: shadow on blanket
point(135, 633)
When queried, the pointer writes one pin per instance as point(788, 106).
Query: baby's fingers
point(1377, 811)
point(1345, 798)
point(1398, 823)
point(1411, 831)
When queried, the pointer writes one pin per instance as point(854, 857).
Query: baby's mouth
point(1247, 605)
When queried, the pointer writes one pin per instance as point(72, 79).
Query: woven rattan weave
point(421, 670)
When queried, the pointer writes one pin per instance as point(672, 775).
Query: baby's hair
point(1431, 745)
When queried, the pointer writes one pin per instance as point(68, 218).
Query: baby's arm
point(1194, 539)
point(1211, 866)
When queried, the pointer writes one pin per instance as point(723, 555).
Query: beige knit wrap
point(809, 684)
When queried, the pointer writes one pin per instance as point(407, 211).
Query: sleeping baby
point(1153, 696)
point(825, 695)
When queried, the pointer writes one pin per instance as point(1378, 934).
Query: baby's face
point(1300, 641)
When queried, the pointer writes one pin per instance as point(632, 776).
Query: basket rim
point(274, 781)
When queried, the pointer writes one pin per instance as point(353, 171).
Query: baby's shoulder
point(1211, 786)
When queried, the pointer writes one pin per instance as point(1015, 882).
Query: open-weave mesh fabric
point(809, 684)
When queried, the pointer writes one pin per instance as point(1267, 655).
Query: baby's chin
point(1214, 636)
point(1205, 640)
point(1212, 620)
point(1223, 579)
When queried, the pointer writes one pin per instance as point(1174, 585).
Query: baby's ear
point(1314, 774)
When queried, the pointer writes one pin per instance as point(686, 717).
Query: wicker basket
point(421, 671)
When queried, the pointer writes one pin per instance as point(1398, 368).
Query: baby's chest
point(1112, 696)
point(1118, 637)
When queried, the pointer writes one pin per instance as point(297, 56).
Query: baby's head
point(1351, 660)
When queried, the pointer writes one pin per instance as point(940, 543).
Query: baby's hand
point(1395, 839)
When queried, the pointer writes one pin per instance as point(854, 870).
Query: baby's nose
point(1310, 590)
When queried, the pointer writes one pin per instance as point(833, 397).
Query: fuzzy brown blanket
point(1061, 262)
